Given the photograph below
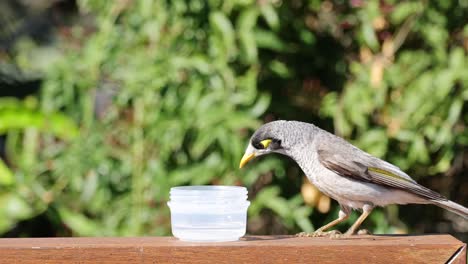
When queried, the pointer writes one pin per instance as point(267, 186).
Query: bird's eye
point(257, 145)
point(261, 144)
point(268, 143)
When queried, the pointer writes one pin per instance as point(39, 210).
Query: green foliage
point(162, 94)
point(415, 94)
point(154, 102)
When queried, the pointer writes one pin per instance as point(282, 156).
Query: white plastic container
point(208, 213)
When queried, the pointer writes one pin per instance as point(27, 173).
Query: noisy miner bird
point(354, 178)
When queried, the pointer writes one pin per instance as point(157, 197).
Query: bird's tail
point(453, 207)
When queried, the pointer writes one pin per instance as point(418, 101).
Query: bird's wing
point(349, 161)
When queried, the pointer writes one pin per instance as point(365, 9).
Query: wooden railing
point(252, 249)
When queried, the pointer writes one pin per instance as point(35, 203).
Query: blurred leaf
point(261, 105)
point(6, 175)
point(269, 40)
point(14, 208)
point(245, 26)
point(56, 124)
point(418, 150)
point(369, 36)
point(374, 141)
point(270, 16)
point(301, 217)
point(280, 69)
point(79, 223)
point(223, 26)
point(404, 10)
point(269, 198)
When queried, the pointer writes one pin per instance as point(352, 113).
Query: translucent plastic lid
point(208, 193)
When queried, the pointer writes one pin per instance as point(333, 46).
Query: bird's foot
point(361, 232)
point(319, 233)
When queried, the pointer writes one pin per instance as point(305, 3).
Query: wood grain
point(261, 249)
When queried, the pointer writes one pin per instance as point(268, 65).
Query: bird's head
point(275, 137)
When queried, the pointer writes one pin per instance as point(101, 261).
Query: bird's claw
point(333, 234)
point(363, 232)
point(318, 233)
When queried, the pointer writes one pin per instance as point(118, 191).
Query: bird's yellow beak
point(246, 158)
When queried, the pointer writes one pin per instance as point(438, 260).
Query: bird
point(354, 178)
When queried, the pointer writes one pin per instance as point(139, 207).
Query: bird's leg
point(366, 210)
point(342, 216)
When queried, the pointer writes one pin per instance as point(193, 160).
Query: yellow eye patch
point(265, 143)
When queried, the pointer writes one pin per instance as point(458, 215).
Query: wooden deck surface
point(253, 249)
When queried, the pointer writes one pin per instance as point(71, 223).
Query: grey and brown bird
point(347, 174)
